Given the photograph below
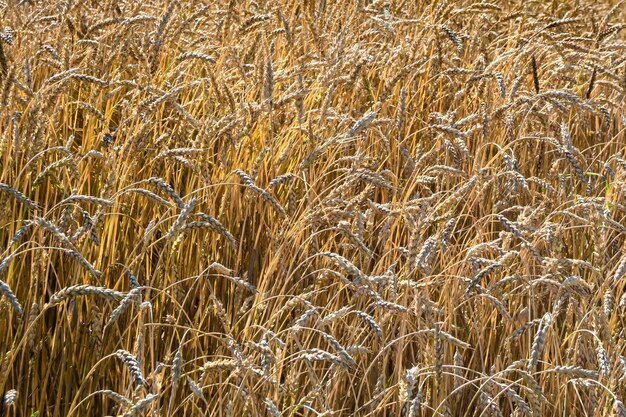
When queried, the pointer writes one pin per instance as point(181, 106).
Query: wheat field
point(312, 208)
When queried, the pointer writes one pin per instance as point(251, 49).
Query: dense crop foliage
point(312, 208)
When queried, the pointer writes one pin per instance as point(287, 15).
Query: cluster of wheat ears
point(312, 208)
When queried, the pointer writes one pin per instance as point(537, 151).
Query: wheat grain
point(114, 396)
point(538, 342)
point(133, 366)
point(10, 397)
point(603, 360)
point(177, 364)
point(82, 290)
point(141, 405)
point(132, 296)
point(618, 408)
point(261, 192)
point(11, 298)
point(371, 323)
point(18, 196)
point(182, 217)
